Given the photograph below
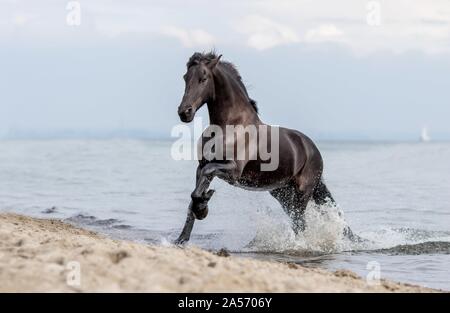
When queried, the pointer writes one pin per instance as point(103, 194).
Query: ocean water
point(394, 195)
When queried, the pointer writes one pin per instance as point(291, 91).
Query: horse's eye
point(202, 80)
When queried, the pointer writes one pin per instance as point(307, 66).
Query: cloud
point(190, 37)
point(327, 32)
point(263, 33)
point(405, 25)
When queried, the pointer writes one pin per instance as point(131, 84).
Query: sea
point(395, 196)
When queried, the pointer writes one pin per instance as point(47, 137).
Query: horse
point(294, 182)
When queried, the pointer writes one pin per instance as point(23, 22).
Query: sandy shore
point(43, 255)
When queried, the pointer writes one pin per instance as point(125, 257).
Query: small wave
point(51, 210)
point(415, 235)
point(91, 220)
point(385, 239)
point(430, 247)
point(122, 226)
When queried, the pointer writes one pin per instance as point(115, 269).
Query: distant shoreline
point(164, 136)
point(40, 255)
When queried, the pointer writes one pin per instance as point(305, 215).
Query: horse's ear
point(212, 64)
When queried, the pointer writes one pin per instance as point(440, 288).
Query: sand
point(38, 255)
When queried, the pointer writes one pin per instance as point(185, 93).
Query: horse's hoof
point(199, 207)
point(181, 241)
point(201, 214)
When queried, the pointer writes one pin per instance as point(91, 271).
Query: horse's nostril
point(186, 113)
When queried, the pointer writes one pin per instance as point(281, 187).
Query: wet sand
point(40, 255)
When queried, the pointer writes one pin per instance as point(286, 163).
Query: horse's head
point(199, 87)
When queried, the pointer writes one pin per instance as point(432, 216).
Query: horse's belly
point(244, 185)
point(261, 181)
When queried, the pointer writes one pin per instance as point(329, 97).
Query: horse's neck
point(230, 105)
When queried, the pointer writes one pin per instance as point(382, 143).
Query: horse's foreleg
point(187, 229)
point(230, 171)
point(190, 219)
point(198, 208)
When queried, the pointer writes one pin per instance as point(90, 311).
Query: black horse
point(294, 182)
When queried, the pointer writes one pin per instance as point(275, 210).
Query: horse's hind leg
point(322, 196)
point(294, 202)
point(294, 197)
point(288, 198)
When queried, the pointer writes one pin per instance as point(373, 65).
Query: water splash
point(324, 232)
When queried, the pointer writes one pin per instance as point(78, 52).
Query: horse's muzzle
point(186, 115)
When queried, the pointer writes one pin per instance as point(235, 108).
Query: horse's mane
point(198, 58)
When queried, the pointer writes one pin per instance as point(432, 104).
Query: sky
point(335, 70)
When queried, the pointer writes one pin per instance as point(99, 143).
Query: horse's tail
point(321, 194)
